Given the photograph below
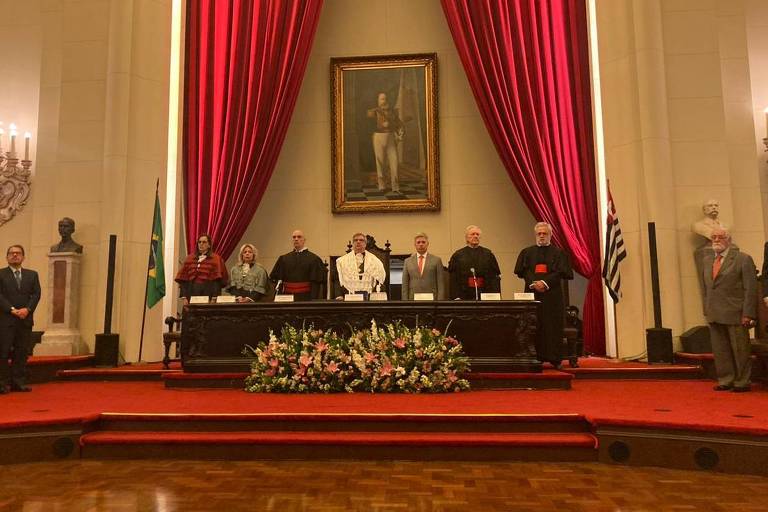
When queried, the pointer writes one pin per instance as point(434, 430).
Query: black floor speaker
point(107, 350)
point(659, 343)
point(696, 340)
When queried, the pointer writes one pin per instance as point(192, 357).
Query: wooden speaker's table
point(498, 336)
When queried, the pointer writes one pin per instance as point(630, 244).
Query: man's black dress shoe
point(22, 389)
point(722, 387)
point(743, 389)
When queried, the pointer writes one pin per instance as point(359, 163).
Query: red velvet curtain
point(244, 65)
point(528, 66)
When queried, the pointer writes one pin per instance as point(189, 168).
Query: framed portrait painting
point(384, 138)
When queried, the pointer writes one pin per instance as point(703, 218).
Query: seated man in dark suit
point(19, 295)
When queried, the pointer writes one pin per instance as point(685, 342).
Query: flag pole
point(146, 280)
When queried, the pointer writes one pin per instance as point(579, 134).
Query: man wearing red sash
point(543, 267)
point(301, 271)
point(473, 269)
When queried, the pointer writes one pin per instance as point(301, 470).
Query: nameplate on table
point(226, 299)
point(354, 297)
point(524, 296)
point(199, 299)
point(490, 296)
point(378, 296)
point(284, 297)
point(423, 296)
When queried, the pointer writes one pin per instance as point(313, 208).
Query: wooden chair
point(370, 246)
point(171, 337)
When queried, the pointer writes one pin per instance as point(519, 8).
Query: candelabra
point(15, 177)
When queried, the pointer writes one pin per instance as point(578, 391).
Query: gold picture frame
point(384, 116)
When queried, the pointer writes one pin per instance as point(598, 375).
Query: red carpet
point(672, 404)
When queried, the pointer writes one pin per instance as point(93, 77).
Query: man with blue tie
point(19, 295)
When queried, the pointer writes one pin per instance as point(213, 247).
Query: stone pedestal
point(62, 337)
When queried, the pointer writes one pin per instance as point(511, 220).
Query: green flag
point(156, 270)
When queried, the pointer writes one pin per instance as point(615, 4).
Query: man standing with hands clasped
point(730, 305)
point(422, 272)
point(543, 267)
point(19, 295)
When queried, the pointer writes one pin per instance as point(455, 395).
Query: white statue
point(704, 227)
point(710, 220)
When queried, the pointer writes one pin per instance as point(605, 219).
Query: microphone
point(474, 276)
point(277, 286)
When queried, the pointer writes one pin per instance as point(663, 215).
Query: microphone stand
point(474, 277)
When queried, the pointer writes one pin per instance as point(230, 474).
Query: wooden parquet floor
point(332, 486)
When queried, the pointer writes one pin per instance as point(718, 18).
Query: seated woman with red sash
point(203, 272)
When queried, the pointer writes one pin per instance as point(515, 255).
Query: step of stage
point(126, 372)
point(544, 380)
point(85, 374)
point(379, 436)
point(660, 372)
point(340, 445)
point(338, 422)
point(46, 368)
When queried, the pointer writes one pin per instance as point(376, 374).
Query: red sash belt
point(298, 287)
point(476, 282)
point(541, 268)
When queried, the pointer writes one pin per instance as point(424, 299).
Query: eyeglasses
point(15, 253)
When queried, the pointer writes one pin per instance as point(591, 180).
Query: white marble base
point(59, 343)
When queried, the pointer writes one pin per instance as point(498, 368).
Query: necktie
point(17, 275)
point(421, 264)
point(716, 265)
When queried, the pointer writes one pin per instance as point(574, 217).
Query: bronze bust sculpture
point(67, 244)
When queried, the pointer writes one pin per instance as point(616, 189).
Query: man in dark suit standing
point(729, 282)
point(19, 295)
point(423, 272)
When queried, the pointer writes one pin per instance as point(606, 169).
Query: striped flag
point(614, 252)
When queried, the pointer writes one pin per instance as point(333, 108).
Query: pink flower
point(399, 343)
point(386, 369)
point(321, 345)
point(452, 376)
point(332, 367)
point(370, 358)
point(450, 341)
point(435, 332)
point(271, 372)
point(305, 360)
point(273, 363)
point(419, 353)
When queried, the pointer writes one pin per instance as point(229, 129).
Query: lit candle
point(13, 138)
point(27, 136)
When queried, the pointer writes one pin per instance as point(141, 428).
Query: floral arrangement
point(392, 358)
